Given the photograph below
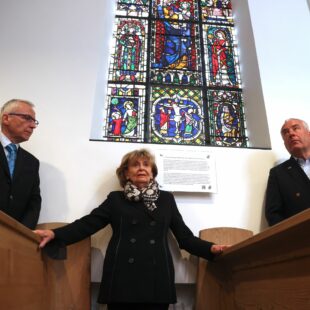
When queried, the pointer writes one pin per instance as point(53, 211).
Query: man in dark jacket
point(19, 170)
point(288, 189)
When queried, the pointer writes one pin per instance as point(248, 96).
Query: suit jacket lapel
point(296, 171)
point(4, 162)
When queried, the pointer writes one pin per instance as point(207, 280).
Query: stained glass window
point(174, 75)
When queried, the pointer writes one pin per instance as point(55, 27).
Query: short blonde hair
point(127, 158)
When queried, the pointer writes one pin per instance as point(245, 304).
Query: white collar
point(5, 140)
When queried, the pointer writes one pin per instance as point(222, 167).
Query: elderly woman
point(138, 270)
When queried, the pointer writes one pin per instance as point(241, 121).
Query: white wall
point(283, 45)
point(51, 52)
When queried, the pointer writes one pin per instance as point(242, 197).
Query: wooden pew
point(270, 270)
point(218, 235)
point(31, 280)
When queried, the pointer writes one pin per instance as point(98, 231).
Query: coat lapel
point(296, 172)
point(139, 206)
point(4, 162)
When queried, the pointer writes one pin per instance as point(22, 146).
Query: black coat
point(288, 192)
point(138, 266)
point(20, 197)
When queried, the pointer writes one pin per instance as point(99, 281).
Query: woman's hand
point(218, 249)
point(46, 236)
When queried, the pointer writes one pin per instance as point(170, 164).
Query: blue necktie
point(12, 149)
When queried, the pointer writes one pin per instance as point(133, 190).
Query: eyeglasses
point(26, 117)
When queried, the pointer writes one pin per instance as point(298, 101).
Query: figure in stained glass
point(130, 119)
point(227, 121)
point(228, 126)
point(123, 117)
point(174, 47)
point(190, 121)
point(221, 59)
point(217, 10)
point(116, 120)
point(129, 49)
point(176, 118)
point(164, 120)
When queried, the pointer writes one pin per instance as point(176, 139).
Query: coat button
point(11, 197)
point(152, 241)
point(134, 222)
point(153, 223)
point(133, 240)
point(131, 260)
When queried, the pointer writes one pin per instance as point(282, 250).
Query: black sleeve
point(274, 211)
point(85, 226)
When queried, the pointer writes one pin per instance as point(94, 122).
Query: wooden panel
point(23, 275)
point(207, 284)
point(284, 285)
point(270, 270)
point(32, 281)
point(71, 275)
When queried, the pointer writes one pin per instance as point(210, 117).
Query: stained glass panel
point(177, 116)
point(174, 51)
point(175, 10)
point(128, 61)
point(221, 58)
point(216, 11)
point(133, 8)
point(125, 121)
point(174, 74)
point(226, 118)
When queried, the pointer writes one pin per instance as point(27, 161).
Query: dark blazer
point(288, 192)
point(20, 197)
point(138, 266)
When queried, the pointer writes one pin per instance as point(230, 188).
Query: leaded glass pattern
point(125, 121)
point(129, 56)
point(222, 67)
point(226, 118)
point(216, 11)
point(133, 8)
point(176, 116)
point(174, 75)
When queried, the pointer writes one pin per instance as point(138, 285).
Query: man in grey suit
point(288, 189)
point(19, 170)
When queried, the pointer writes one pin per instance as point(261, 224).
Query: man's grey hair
point(12, 104)
point(296, 119)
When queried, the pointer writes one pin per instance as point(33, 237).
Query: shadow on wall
point(53, 192)
point(259, 164)
point(264, 224)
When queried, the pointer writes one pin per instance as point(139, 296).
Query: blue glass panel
point(177, 116)
point(125, 113)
